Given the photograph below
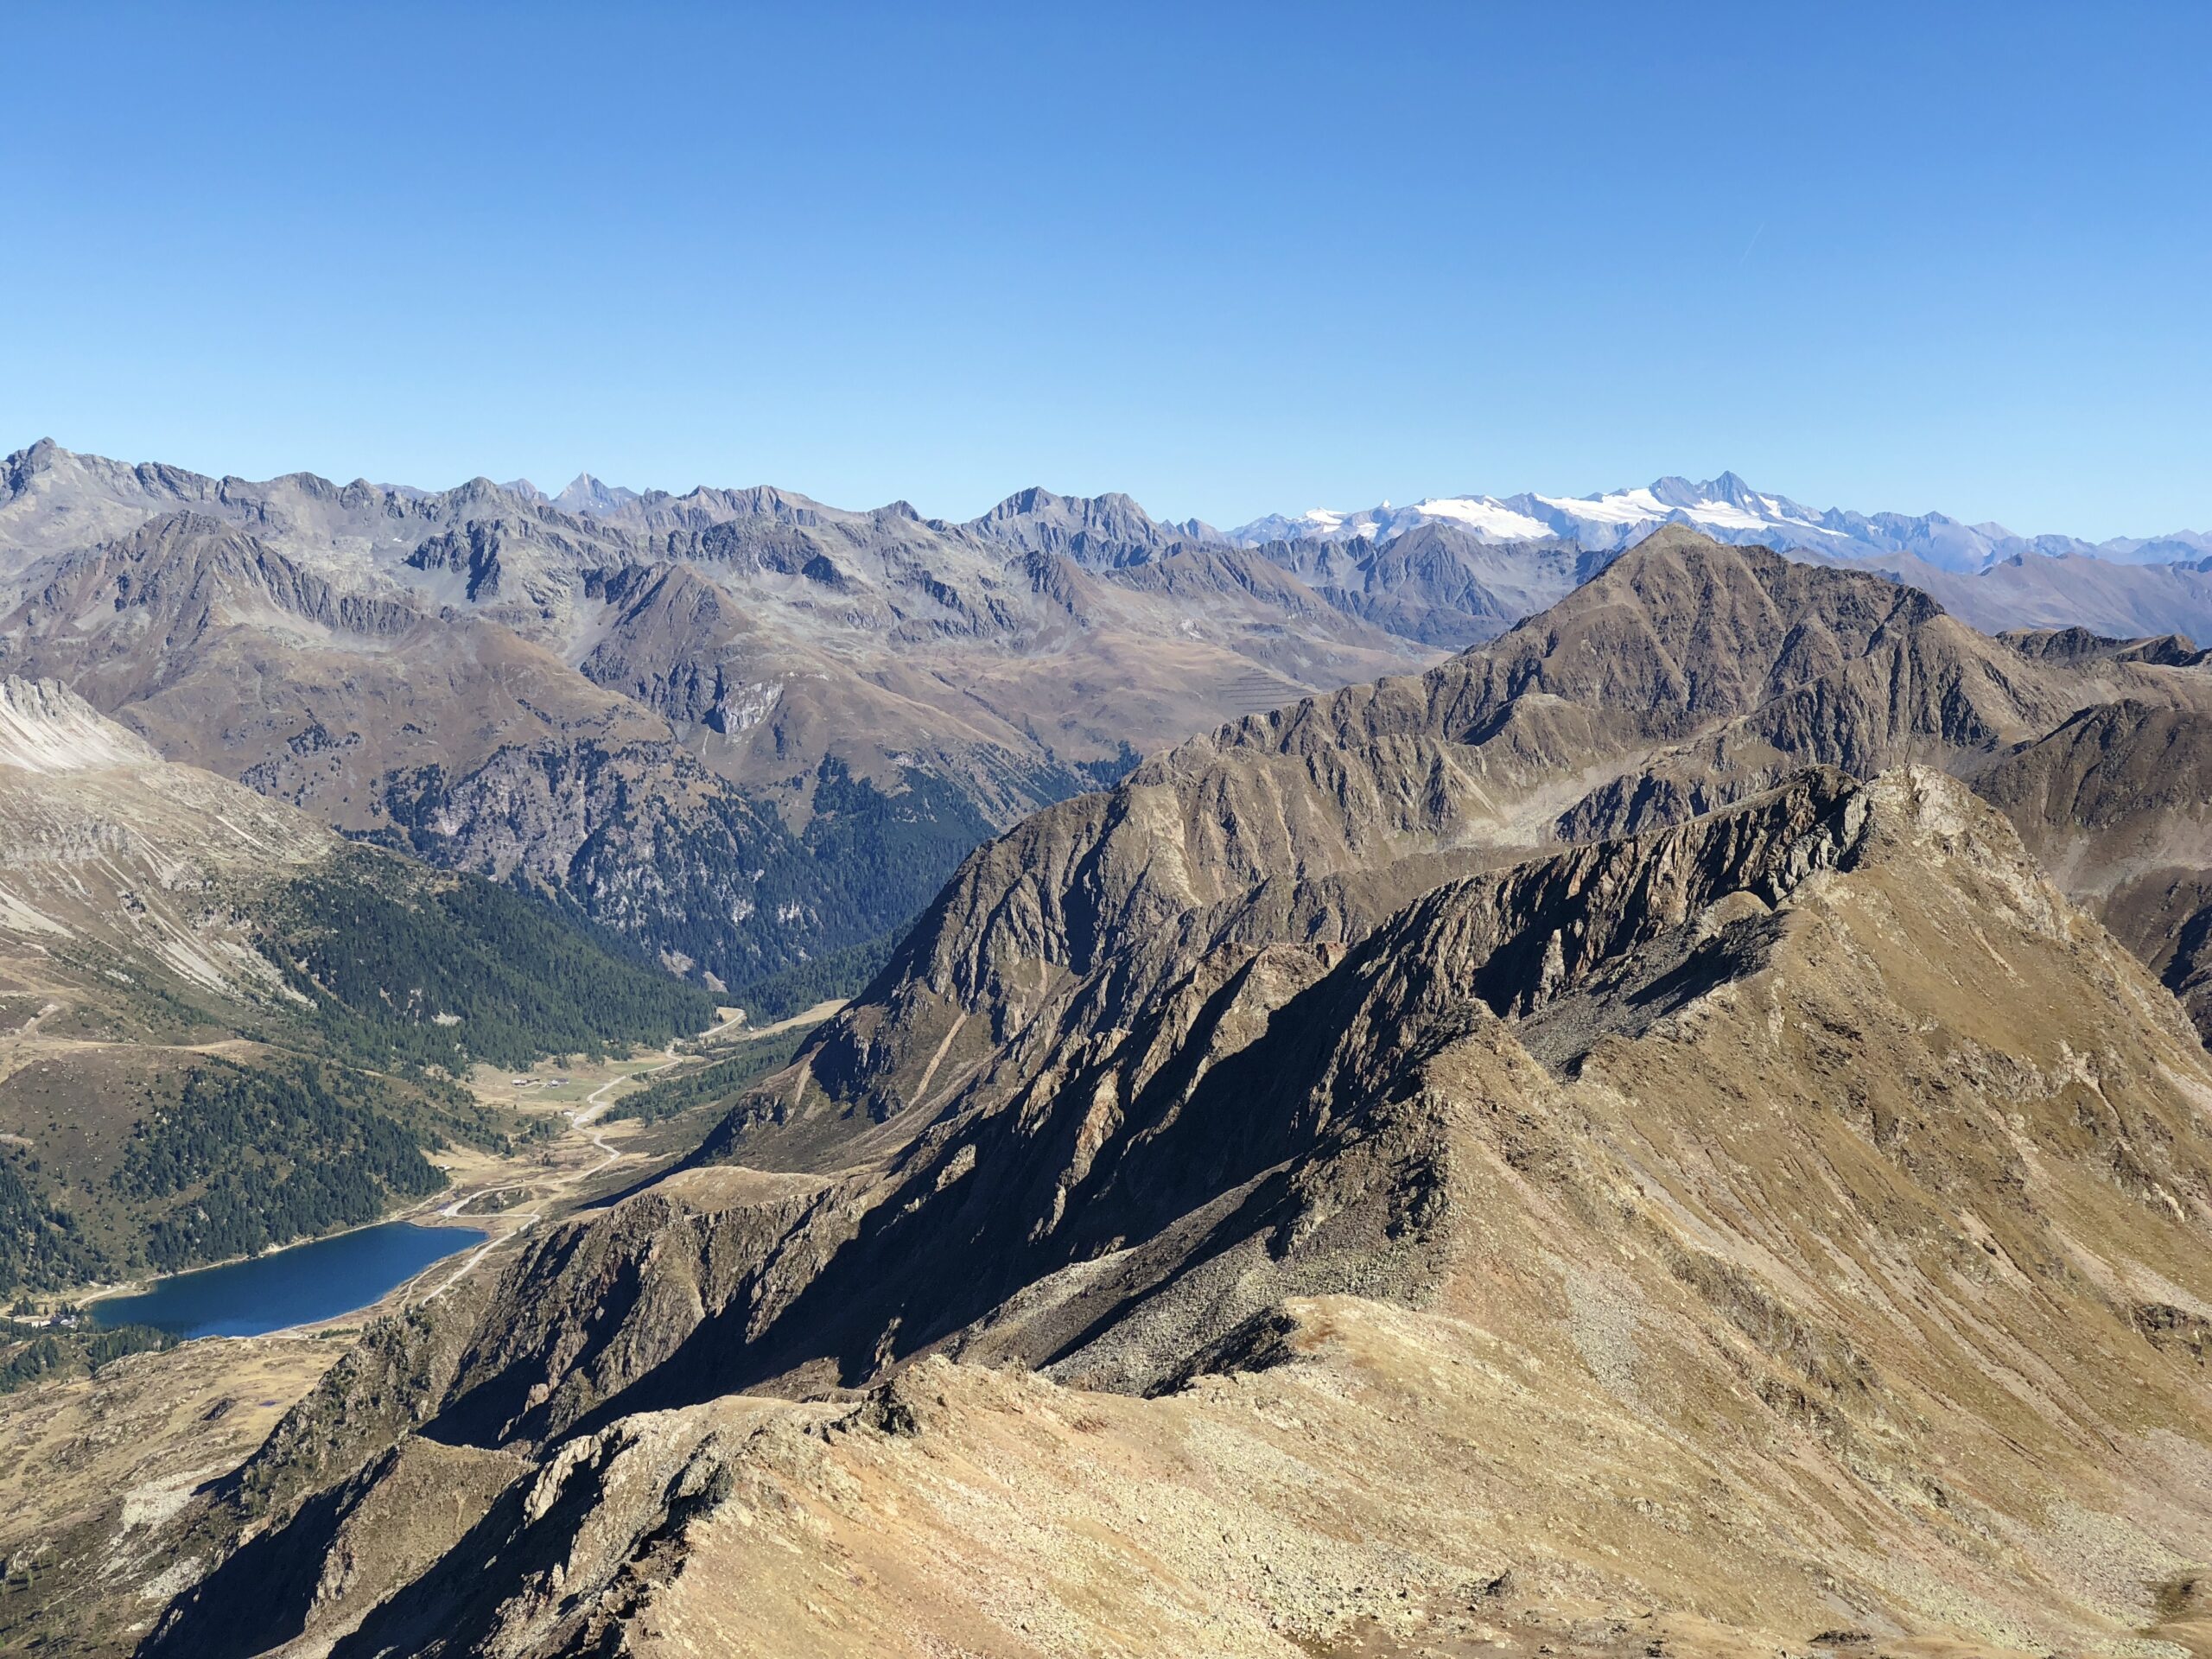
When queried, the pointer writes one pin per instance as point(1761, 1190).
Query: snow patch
point(1491, 520)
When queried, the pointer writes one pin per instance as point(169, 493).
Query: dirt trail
point(813, 1016)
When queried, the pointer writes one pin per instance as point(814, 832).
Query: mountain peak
point(586, 494)
point(18, 469)
point(1105, 531)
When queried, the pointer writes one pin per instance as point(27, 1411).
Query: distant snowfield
point(1492, 520)
point(1726, 507)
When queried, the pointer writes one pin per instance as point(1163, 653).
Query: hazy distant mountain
point(586, 494)
point(1725, 508)
point(2031, 591)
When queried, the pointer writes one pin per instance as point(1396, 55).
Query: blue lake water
point(319, 1281)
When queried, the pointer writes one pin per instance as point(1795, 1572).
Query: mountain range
point(743, 730)
point(1678, 1128)
point(749, 733)
point(1403, 1093)
point(1729, 509)
point(1469, 565)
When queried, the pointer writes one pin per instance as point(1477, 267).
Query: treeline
point(410, 968)
point(840, 974)
point(668, 1096)
point(33, 1353)
point(240, 1159)
point(40, 1245)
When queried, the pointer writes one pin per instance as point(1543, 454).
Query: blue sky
point(1229, 259)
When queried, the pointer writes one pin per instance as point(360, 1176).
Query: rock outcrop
point(1687, 676)
point(348, 648)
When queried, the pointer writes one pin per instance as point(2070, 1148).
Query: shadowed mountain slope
point(1701, 1202)
point(1606, 1144)
point(2118, 804)
point(1687, 675)
point(1303, 1020)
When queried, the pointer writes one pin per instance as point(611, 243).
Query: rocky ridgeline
point(1614, 1121)
point(1481, 1115)
point(449, 671)
point(1687, 676)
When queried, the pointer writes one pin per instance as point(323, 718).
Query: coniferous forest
point(40, 1244)
point(36, 1353)
point(240, 1159)
point(404, 978)
point(402, 967)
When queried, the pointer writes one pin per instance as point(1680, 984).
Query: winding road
point(581, 1118)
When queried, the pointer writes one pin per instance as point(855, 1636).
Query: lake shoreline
point(729, 1033)
point(422, 1210)
point(283, 1290)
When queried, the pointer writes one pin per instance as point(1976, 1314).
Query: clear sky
point(1232, 260)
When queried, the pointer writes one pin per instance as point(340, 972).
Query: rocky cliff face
point(230, 655)
point(1687, 676)
point(2116, 801)
point(1109, 530)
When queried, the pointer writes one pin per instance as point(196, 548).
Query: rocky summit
point(1684, 1127)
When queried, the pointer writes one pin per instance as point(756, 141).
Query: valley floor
point(90, 1465)
point(583, 1153)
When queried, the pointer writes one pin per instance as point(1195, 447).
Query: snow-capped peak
point(1726, 507)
